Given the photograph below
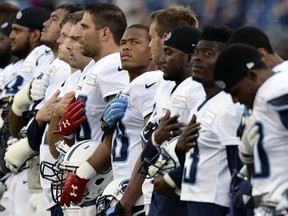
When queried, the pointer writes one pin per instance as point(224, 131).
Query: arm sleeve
point(176, 175)
point(149, 155)
point(35, 134)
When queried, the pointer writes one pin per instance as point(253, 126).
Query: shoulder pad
point(279, 104)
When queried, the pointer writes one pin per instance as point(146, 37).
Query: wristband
point(153, 140)
point(86, 171)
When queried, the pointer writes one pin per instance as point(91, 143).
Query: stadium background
point(269, 15)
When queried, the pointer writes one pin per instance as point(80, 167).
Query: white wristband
point(153, 140)
point(69, 137)
point(169, 180)
point(86, 171)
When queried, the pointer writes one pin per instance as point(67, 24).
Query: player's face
point(244, 92)
point(20, 40)
point(77, 60)
point(62, 41)
point(172, 63)
point(90, 39)
point(5, 45)
point(51, 30)
point(156, 44)
point(203, 61)
point(134, 50)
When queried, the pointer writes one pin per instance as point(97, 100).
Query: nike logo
point(148, 86)
point(24, 182)
point(119, 68)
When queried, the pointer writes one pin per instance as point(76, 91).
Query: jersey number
point(191, 168)
point(120, 148)
point(262, 168)
point(83, 132)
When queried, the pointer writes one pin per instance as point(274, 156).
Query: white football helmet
point(74, 158)
point(112, 194)
point(275, 203)
point(167, 159)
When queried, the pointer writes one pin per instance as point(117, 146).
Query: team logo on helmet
point(4, 25)
point(19, 15)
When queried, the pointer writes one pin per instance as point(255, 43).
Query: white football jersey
point(70, 83)
point(57, 72)
point(9, 86)
point(98, 81)
point(60, 71)
point(36, 63)
point(126, 144)
point(270, 155)
point(180, 101)
point(33, 65)
point(282, 67)
point(206, 176)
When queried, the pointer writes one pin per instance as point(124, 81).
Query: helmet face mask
point(274, 203)
point(73, 158)
point(164, 161)
point(112, 194)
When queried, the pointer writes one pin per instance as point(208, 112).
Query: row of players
point(191, 123)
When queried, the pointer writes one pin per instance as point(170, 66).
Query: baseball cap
point(183, 38)
point(233, 63)
point(32, 17)
point(6, 28)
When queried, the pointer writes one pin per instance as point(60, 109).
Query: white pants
point(37, 205)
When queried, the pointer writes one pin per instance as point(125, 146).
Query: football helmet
point(166, 159)
point(70, 161)
point(275, 203)
point(112, 194)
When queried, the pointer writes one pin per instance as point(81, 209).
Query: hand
point(168, 128)
point(37, 89)
point(251, 134)
point(74, 189)
point(161, 187)
point(114, 111)
point(45, 113)
point(117, 210)
point(188, 138)
point(62, 105)
point(72, 118)
point(17, 154)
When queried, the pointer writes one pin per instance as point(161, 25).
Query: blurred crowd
point(269, 15)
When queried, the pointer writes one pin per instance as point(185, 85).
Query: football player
point(249, 80)
point(123, 145)
point(214, 147)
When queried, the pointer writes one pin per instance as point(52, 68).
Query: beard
point(23, 52)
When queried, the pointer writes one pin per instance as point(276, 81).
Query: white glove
point(22, 100)
point(17, 154)
point(37, 89)
point(249, 139)
point(251, 135)
point(11, 140)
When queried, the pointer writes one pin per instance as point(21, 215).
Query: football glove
point(22, 100)
point(114, 111)
point(37, 89)
point(74, 189)
point(72, 118)
point(17, 154)
point(250, 137)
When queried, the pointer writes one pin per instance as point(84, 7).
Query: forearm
point(101, 158)
point(134, 188)
point(53, 138)
point(34, 134)
point(16, 123)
